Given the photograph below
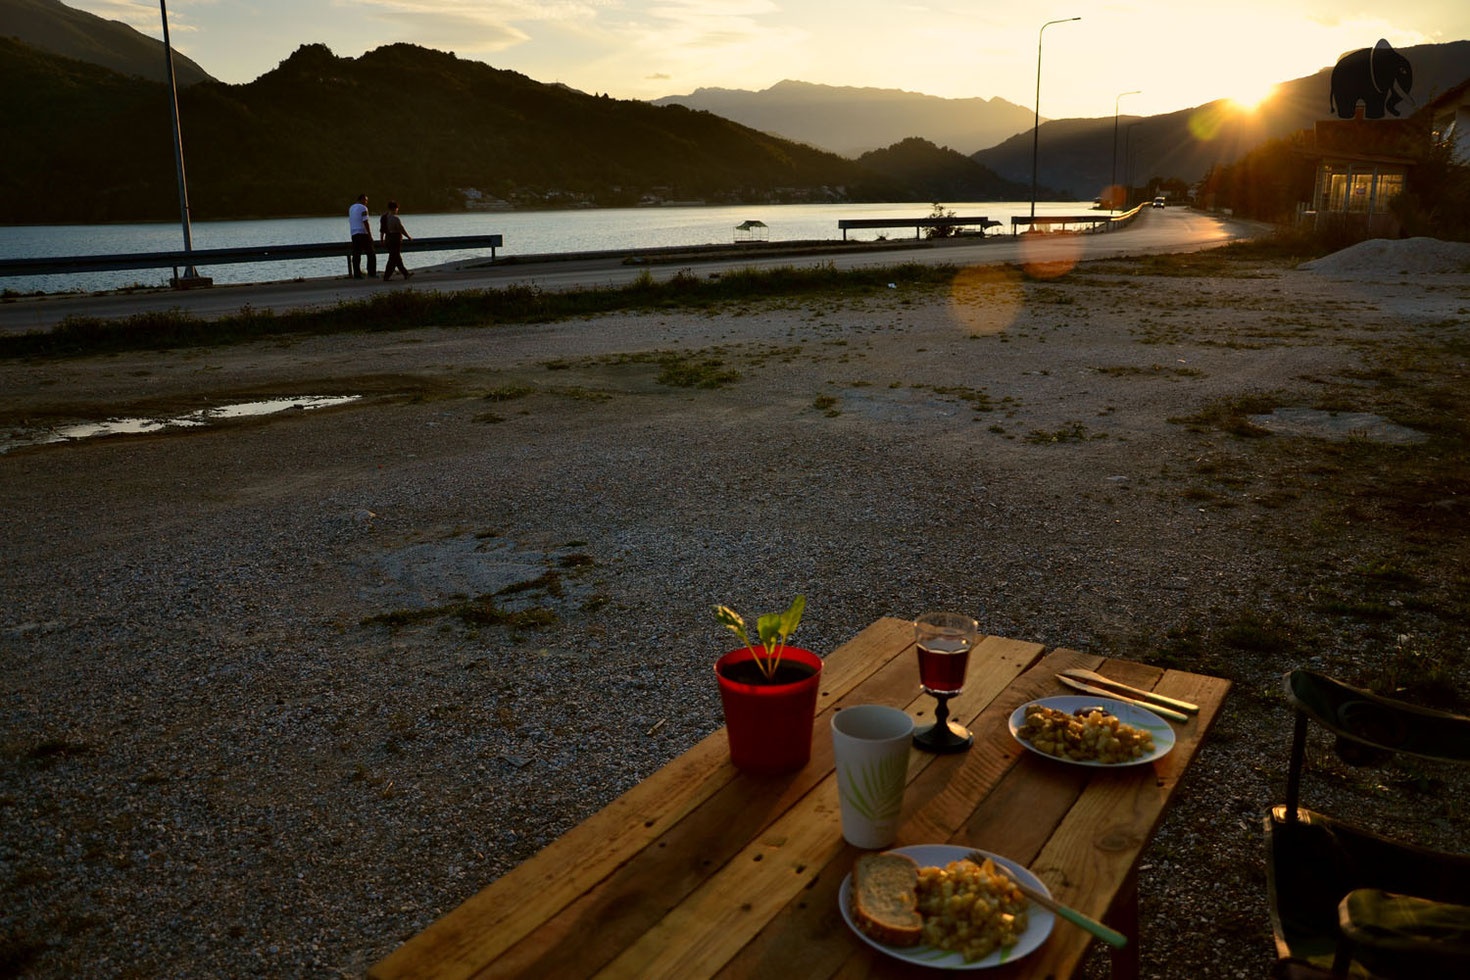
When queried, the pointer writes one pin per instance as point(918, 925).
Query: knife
point(1076, 673)
point(1169, 713)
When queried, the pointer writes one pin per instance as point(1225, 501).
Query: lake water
point(525, 233)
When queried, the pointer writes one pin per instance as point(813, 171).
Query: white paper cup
point(870, 743)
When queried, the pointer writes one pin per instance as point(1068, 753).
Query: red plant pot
point(770, 724)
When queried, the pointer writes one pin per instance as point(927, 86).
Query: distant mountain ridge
point(54, 27)
point(851, 121)
point(435, 131)
point(1077, 153)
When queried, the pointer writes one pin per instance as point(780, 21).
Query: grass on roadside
point(403, 309)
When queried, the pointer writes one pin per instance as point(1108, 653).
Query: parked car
point(1158, 202)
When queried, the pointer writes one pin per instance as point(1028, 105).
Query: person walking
point(362, 238)
point(393, 234)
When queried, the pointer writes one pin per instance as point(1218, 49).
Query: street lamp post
point(1113, 183)
point(191, 277)
point(1036, 126)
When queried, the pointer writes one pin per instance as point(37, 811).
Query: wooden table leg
point(1123, 916)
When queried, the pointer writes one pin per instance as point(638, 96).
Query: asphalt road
point(1154, 232)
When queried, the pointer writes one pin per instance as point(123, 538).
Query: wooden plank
point(641, 892)
point(710, 928)
point(807, 936)
point(1034, 802)
point(483, 927)
point(1099, 843)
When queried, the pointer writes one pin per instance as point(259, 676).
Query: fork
point(1109, 936)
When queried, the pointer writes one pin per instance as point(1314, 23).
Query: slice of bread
point(885, 898)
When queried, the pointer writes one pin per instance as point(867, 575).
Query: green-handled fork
point(1109, 936)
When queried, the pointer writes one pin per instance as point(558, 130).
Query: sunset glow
point(1180, 56)
point(1248, 99)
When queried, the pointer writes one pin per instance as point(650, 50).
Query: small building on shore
point(1362, 164)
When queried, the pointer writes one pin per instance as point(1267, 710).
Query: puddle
point(144, 426)
point(1338, 426)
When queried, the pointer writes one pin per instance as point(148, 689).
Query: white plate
point(1039, 920)
point(1129, 714)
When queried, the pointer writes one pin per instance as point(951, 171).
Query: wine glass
point(944, 641)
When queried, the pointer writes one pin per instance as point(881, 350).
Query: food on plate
point(963, 907)
point(1094, 737)
point(885, 898)
point(970, 909)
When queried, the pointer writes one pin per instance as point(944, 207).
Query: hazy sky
point(1180, 53)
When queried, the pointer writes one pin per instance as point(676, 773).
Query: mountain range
point(443, 133)
point(851, 121)
point(1077, 154)
point(52, 26)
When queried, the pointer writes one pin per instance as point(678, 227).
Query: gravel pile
point(260, 721)
point(1392, 257)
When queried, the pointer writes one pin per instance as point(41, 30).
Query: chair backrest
point(1367, 719)
point(1380, 722)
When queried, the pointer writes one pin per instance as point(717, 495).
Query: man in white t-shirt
point(362, 238)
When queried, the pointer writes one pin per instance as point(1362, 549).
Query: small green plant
point(773, 629)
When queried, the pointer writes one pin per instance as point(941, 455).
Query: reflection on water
point(144, 426)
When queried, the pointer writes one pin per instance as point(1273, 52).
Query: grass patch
point(1231, 415)
point(480, 611)
point(1152, 371)
point(1075, 432)
point(404, 309)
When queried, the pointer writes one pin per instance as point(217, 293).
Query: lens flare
point(1050, 255)
point(1250, 99)
point(986, 299)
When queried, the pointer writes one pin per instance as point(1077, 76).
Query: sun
point(1249, 99)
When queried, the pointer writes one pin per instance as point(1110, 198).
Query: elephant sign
point(1379, 77)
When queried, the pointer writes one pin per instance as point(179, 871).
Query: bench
point(915, 223)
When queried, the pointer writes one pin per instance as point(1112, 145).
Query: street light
point(1036, 126)
point(1113, 184)
point(191, 277)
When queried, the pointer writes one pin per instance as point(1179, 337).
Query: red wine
point(942, 664)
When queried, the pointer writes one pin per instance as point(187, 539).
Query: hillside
point(402, 121)
point(852, 121)
point(941, 174)
point(56, 28)
point(1077, 153)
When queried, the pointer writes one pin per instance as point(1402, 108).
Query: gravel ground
point(256, 724)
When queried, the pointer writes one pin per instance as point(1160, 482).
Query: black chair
point(1348, 902)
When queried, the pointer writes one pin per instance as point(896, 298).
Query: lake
point(525, 233)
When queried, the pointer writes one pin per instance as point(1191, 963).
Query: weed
point(508, 393)
point(1075, 432)
point(1230, 415)
point(678, 371)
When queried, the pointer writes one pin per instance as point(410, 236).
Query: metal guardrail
point(46, 265)
point(1112, 221)
point(915, 223)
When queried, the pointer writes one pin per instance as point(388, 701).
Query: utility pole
point(190, 277)
point(1036, 126)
